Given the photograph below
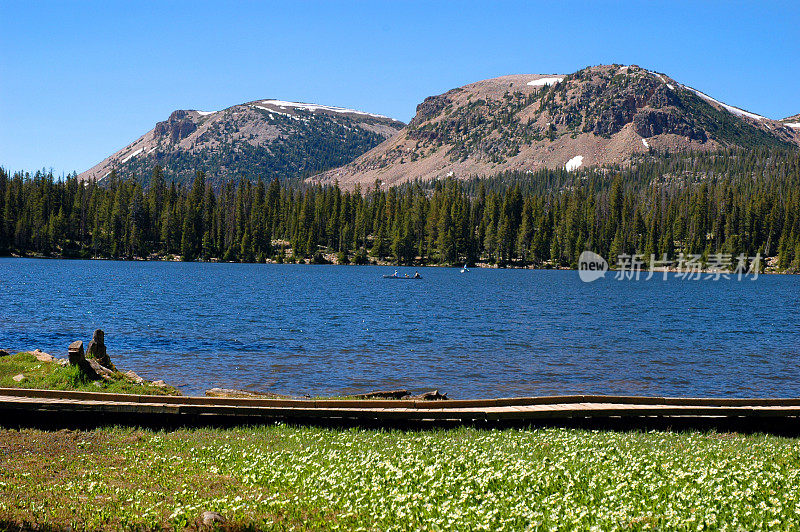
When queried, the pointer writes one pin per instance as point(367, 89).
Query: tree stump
point(78, 358)
point(75, 353)
point(97, 350)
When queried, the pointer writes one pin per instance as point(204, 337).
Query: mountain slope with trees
point(265, 138)
point(733, 202)
point(596, 116)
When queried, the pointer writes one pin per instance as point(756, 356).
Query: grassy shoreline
point(283, 477)
point(56, 375)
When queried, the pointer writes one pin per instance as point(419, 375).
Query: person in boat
point(416, 275)
point(406, 276)
point(395, 273)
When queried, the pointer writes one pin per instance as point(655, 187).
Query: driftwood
point(402, 394)
point(382, 394)
point(227, 392)
point(429, 396)
point(377, 394)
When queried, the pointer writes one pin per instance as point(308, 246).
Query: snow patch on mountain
point(545, 81)
point(732, 109)
point(316, 107)
point(131, 156)
point(271, 111)
point(793, 125)
point(646, 145)
point(574, 163)
point(205, 113)
point(664, 80)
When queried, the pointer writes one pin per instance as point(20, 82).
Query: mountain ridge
point(598, 115)
point(261, 138)
point(792, 121)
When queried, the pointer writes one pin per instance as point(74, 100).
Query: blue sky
point(79, 80)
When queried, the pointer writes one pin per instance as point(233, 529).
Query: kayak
point(400, 277)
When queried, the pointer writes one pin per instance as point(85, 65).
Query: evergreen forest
point(729, 202)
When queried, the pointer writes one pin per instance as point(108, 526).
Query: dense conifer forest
point(733, 202)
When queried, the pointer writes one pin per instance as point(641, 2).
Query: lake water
point(324, 330)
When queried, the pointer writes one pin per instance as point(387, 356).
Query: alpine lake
point(337, 330)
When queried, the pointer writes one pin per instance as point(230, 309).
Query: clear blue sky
point(79, 80)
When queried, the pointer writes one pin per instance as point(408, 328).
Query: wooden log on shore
point(381, 394)
point(228, 392)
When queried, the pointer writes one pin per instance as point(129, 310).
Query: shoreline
point(40, 374)
point(384, 264)
point(69, 408)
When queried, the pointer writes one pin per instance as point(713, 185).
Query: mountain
point(792, 121)
point(263, 138)
point(596, 116)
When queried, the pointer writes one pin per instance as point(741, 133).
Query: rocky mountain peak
point(264, 139)
point(598, 115)
point(178, 126)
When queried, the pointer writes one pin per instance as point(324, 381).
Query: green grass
point(53, 376)
point(281, 477)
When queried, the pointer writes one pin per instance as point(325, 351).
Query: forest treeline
point(736, 202)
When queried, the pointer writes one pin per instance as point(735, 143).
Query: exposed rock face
point(18, 378)
point(4, 353)
point(431, 107)
point(651, 122)
point(97, 350)
point(606, 114)
point(177, 127)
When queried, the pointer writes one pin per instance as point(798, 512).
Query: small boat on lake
point(395, 275)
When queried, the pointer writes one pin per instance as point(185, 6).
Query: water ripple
point(333, 330)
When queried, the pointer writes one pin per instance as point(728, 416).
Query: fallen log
point(381, 394)
point(228, 392)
